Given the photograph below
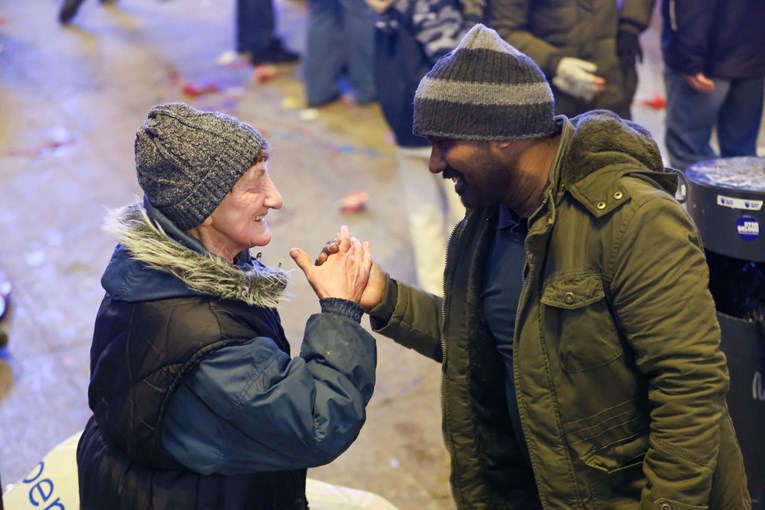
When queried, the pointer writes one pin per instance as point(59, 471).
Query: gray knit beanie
point(187, 160)
point(484, 90)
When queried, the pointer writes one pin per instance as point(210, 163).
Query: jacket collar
point(151, 264)
point(599, 142)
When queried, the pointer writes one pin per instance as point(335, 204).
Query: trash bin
point(726, 199)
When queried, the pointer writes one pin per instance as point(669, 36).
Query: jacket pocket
point(578, 315)
point(612, 440)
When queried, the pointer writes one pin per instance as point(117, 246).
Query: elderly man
point(578, 340)
point(197, 402)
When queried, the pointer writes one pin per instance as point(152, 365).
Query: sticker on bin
point(748, 228)
point(739, 203)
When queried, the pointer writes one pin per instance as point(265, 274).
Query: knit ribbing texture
point(187, 160)
point(484, 89)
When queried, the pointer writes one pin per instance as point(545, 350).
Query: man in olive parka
point(581, 362)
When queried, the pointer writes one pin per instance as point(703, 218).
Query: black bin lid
point(742, 174)
point(726, 199)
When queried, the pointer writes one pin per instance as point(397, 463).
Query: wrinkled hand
point(375, 289)
point(344, 275)
point(628, 48)
point(577, 78)
point(699, 82)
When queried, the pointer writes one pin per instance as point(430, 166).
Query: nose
point(436, 163)
point(273, 197)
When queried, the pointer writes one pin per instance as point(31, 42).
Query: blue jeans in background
point(339, 43)
point(254, 25)
point(733, 109)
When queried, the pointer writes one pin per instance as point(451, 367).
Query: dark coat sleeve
point(251, 408)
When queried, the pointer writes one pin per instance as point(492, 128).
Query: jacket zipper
point(448, 444)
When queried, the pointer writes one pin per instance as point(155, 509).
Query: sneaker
point(274, 53)
point(68, 10)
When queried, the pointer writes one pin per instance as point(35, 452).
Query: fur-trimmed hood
point(149, 264)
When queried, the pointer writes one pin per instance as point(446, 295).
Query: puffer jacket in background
point(548, 30)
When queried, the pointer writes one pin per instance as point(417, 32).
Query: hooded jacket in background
point(197, 403)
point(619, 378)
point(720, 38)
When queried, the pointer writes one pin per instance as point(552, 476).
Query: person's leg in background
point(358, 21)
point(324, 57)
point(256, 33)
point(68, 10)
point(691, 116)
point(740, 116)
point(433, 208)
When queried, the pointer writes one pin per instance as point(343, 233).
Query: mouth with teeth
point(459, 184)
point(260, 218)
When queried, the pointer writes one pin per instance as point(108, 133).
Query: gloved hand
point(577, 78)
point(628, 47)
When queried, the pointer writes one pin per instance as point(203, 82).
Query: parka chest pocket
point(577, 317)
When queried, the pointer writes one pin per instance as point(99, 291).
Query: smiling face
point(482, 176)
point(239, 221)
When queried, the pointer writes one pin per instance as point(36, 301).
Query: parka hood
point(602, 139)
point(149, 264)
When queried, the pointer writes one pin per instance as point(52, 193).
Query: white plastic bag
point(52, 485)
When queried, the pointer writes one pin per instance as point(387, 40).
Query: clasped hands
point(344, 269)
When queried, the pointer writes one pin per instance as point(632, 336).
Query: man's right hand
point(375, 289)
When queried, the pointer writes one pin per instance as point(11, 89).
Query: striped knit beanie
point(484, 90)
point(188, 160)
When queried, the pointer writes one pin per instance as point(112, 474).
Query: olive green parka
point(619, 377)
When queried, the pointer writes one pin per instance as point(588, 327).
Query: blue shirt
point(502, 283)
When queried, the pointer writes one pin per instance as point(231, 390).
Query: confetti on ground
point(309, 114)
point(235, 92)
point(354, 202)
point(227, 58)
point(655, 103)
point(232, 60)
point(264, 73)
point(42, 149)
point(193, 90)
point(291, 103)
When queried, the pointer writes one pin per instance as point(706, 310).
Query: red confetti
point(264, 73)
point(40, 150)
point(656, 103)
point(354, 202)
point(192, 90)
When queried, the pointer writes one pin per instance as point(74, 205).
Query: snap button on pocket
point(568, 298)
point(665, 506)
point(618, 195)
point(601, 205)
